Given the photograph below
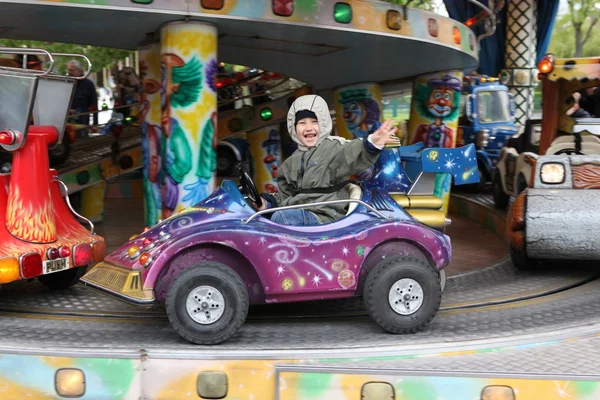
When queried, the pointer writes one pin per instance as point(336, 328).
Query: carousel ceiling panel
point(276, 45)
point(323, 56)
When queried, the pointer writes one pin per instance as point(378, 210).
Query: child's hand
point(262, 207)
point(386, 134)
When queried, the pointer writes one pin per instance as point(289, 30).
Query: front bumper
point(562, 224)
point(123, 283)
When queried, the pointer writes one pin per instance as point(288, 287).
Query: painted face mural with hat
point(439, 101)
point(360, 111)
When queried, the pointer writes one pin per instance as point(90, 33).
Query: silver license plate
point(51, 266)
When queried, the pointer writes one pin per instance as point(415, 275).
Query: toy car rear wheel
point(521, 261)
point(501, 199)
point(63, 279)
point(207, 303)
point(402, 294)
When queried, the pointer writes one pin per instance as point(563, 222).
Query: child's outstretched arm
point(355, 156)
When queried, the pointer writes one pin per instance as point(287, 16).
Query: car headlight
point(552, 173)
point(482, 138)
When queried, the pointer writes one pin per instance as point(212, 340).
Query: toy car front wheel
point(207, 303)
point(63, 279)
point(442, 276)
point(402, 295)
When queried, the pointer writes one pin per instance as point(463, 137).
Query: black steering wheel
point(248, 188)
point(569, 152)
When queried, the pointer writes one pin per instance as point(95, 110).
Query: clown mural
point(265, 147)
point(152, 133)
point(151, 150)
point(438, 101)
point(357, 109)
point(434, 119)
point(271, 160)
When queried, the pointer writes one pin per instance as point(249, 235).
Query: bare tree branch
point(593, 21)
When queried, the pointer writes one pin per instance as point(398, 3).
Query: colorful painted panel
point(340, 386)
point(188, 105)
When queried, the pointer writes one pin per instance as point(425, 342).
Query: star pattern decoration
point(450, 163)
point(316, 280)
point(345, 250)
point(280, 270)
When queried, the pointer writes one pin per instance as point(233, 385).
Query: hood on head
point(315, 104)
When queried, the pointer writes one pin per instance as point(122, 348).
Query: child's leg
point(295, 217)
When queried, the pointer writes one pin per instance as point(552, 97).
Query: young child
point(317, 171)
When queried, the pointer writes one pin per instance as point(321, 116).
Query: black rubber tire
point(226, 162)
point(521, 183)
point(59, 153)
point(64, 279)
point(234, 292)
point(381, 279)
point(521, 261)
point(501, 199)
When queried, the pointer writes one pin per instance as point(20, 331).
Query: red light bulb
point(64, 251)
point(7, 137)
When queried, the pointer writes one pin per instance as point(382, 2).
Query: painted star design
point(439, 252)
point(316, 280)
point(345, 250)
point(262, 240)
point(450, 164)
point(280, 270)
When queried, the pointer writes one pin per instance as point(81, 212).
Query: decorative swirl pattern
point(181, 222)
point(287, 254)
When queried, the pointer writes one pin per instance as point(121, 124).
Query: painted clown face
point(441, 102)
point(354, 114)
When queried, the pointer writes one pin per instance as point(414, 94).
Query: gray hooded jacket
point(309, 174)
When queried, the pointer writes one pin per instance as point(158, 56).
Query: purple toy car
point(211, 260)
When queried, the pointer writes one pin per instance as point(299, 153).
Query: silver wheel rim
point(205, 305)
point(406, 296)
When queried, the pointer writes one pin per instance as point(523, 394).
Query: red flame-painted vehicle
point(40, 236)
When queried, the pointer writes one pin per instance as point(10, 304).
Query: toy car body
point(488, 121)
point(39, 234)
point(558, 133)
point(553, 219)
point(209, 261)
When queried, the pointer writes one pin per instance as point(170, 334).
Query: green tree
point(563, 42)
point(584, 16)
point(100, 57)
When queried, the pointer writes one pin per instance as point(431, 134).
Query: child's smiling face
point(307, 130)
